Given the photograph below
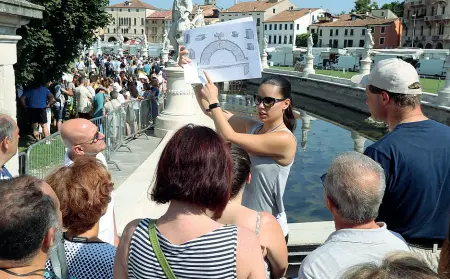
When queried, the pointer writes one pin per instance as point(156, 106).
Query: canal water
point(320, 137)
point(304, 196)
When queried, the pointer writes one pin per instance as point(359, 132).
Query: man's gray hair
point(114, 94)
point(355, 184)
point(7, 127)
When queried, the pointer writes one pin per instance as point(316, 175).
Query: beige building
point(260, 10)
point(426, 24)
point(128, 20)
point(157, 22)
point(161, 20)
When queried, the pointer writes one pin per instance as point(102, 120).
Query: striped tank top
point(212, 255)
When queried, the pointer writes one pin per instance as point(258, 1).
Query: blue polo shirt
point(416, 160)
point(36, 97)
point(4, 173)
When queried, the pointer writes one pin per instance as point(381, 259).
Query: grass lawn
point(429, 85)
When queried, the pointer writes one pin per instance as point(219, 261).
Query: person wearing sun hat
point(415, 155)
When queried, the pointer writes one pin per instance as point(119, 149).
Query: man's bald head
point(78, 135)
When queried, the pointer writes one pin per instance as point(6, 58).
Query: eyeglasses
point(322, 178)
point(92, 141)
point(267, 101)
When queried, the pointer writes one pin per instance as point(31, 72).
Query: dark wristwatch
point(213, 106)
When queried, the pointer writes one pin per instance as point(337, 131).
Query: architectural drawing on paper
point(250, 46)
point(240, 60)
point(187, 38)
point(249, 34)
point(191, 53)
point(200, 37)
point(234, 34)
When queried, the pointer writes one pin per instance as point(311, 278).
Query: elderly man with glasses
point(353, 188)
point(82, 138)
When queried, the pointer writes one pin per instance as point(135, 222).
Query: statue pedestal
point(120, 51)
point(164, 56)
point(309, 65)
point(91, 51)
point(181, 106)
point(365, 66)
point(358, 142)
point(444, 93)
point(264, 63)
point(144, 52)
point(306, 126)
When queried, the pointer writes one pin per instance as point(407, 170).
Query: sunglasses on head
point(322, 178)
point(267, 101)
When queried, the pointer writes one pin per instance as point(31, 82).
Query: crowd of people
point(96, 86)
point(226, 217)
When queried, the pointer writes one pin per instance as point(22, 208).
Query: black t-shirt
point(416, 159)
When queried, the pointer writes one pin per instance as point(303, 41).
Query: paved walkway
point(132, 200)
point(141, 149)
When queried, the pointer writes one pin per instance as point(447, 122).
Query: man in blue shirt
point(415, 156)
point(35, 100)
point(9, 140)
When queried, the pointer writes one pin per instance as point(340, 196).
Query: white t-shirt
point(106, 225)
point(349, 247)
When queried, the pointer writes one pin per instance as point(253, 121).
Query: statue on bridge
point(310, 45)
point(368, 45)
point(181, 10)
point(199, 19)
point(121, 40)
point(266, 44)
point(166, 41)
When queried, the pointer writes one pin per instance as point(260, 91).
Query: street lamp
point(414, 28)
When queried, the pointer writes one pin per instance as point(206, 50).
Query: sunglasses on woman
point(267, 101)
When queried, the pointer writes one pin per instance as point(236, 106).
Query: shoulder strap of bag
point(158, 252)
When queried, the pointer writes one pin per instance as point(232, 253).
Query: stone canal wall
point(343, 92)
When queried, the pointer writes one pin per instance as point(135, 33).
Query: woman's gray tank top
point(266, 189)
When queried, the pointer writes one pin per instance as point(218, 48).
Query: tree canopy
point(364, 6)
point(50, 44)
point(396, 7)
point(302, 40)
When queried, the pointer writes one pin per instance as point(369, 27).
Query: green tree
point(364, 6)
point(302, 39)
point(50, 44)
point(396, 7)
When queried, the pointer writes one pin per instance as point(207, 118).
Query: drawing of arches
point(191, 53)
point(240, 59)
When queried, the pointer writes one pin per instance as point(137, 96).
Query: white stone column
point(164, 56)
point(264, 62)
point(181, 106)
point(444, 93)
point(309, 65)
point(358, 142)
point(365, 66)
point(13, 14)
point(144, 52)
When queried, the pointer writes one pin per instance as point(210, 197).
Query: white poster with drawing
point(226, 51)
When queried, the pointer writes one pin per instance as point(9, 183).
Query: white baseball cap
point(117, 87)
point(393, 75)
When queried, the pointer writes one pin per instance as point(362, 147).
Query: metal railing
point(124, 123)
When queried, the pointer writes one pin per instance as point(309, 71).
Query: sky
point(334, 6)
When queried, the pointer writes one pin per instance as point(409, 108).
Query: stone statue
point(166, 41)
point(266, 43)
point(368, 45)
point(181, 10)
point(310, 45)
point(121, 40)
point(144, 41)
point(199, 19)
point(98, 41)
